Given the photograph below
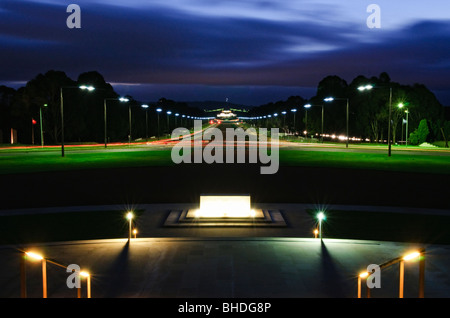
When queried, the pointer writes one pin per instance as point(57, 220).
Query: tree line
point(21, 110)
point(83, 110)
point(368, 111)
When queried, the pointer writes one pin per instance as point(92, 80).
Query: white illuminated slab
point(225, 206)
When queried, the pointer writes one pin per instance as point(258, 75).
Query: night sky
point(251, 52)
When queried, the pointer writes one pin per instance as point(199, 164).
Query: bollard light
point(316, 232)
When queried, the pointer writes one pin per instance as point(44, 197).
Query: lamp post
point(83, 87)
point(44, 271)
point(330, 99)
point(407, 113)
point(158, 110)
point(307, 106)
point(145, 106)
point(401, 105)
point(409, 257)
point(306, 121)
point(369, 87)
point(320, 217)
point(168, 123)
point(294, 110)
point(361, 276)
point(121, 99)
point(40, 124)
point(129, 218)
point(88, 282)
point(129, 123)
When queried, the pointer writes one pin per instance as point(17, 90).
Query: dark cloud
point(158, 46)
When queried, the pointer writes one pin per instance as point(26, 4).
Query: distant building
point(226, 114)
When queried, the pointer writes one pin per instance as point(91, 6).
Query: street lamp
point(88, 282)
point(369, 87)
point(409, 257)
point(145, 106)
point(401, 105)
point(320, 217)
point(168, 123)
point(330, 99)
point(40, 124)
point(307, 106)
point(44, 271)
point(294, 110)
point(83, 87)
point(158, 110)
point(129, 118)
point(361, 276)
point(407, 120)
point(121, 99)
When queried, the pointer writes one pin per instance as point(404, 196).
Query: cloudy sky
point(250, 51)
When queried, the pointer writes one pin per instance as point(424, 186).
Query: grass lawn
point(64, 226)
point(404, 162)
point(385, 226)
point(37, 162)
point(34, 161)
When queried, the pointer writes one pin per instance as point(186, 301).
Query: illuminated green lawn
point(35, 161)
point(38, 162)
point(405, 162)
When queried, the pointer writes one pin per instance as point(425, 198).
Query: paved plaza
point(224, 262)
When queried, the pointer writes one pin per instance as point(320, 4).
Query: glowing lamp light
point(89, 88)
point(129, 215)
point(365, 87)
point(316, 231)
point(411, 256)
point(35, 256)
point(84, 274)
point(364, 274)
